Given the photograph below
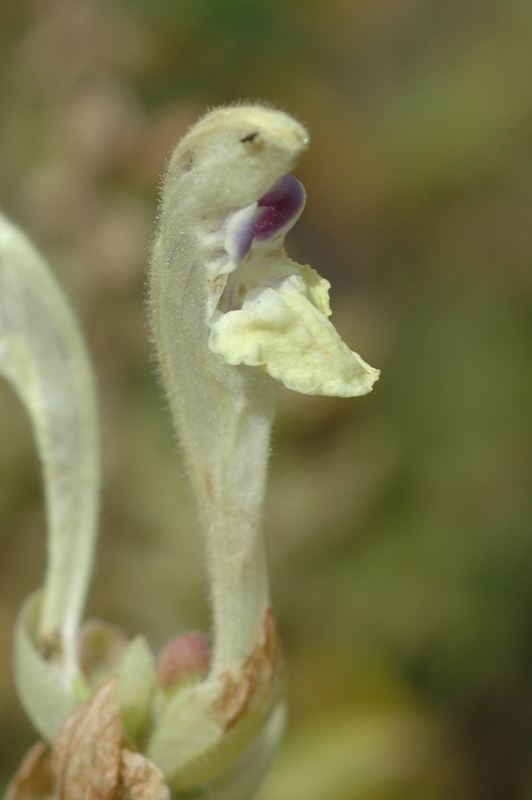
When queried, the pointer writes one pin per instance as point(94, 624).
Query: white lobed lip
point(283, 328)
point(273, 313)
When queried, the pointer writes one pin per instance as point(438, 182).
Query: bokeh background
point(398, 524)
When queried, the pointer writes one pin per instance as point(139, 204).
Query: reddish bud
point(184, 658)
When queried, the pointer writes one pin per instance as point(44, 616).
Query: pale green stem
point(43, 356)
point(223, 415)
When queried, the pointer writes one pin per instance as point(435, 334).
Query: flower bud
point(184, 658)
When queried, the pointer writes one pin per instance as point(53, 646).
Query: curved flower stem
point(43, 356)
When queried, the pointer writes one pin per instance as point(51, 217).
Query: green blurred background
point(398, 524)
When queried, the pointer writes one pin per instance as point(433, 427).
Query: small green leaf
point(41, 684)
point(136, 685)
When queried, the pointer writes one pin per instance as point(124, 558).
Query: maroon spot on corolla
point(271, 216)
point(279, 207)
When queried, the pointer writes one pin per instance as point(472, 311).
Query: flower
point(273, 313)
point(231, 314)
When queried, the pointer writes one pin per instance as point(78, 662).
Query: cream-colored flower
point(273, 313)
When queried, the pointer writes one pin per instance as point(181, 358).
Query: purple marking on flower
point(279, 208)
point(272, 215)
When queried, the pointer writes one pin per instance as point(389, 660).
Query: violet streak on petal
point(271, 216)
point(279, 208)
